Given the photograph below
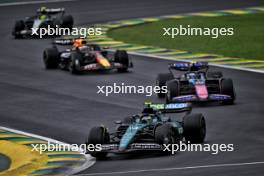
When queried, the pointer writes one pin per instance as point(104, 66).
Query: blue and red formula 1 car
point(83, 57)
point(196, 84)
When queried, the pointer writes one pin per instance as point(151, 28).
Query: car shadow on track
point(135, 155)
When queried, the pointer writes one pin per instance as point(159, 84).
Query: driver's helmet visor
point(191, 76)
point(146, 119)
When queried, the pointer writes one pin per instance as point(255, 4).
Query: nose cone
point(129, 135)
point(201, 91)
point(102, 60)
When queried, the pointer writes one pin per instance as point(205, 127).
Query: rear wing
point(180, 66)
point(68, 41)
point(52, 11)
point(63, 42)
point(184, 66)
point(170, 108)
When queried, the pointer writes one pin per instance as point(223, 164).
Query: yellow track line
point(63, 153)
point(206, 14)
point(236, 12)
point(63, 159)
point(136, 48)
point(31, 142)
point(172, 52)
point(10, 135)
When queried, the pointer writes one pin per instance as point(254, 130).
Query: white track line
point(89, 159)
point(32, 2)
point(175, 168)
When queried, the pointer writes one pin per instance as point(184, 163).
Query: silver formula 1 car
point(44, 18)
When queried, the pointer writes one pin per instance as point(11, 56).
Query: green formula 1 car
point(149, 130)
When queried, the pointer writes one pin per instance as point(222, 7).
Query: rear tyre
point(173, 90)
point(194, 128)
point(228, 89)
point(215, 74)
point(75, 64)
point(166, 134)
point(19, 26)
point(67, 21)
point(161, 80)
point(51, 58)
point(121, 57)
point(98, 135)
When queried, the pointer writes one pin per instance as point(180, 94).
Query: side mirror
point(118, 122)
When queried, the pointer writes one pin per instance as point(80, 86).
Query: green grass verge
point(247, 41)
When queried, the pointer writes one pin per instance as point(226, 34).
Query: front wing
point(96, 66)
point(114, 148)
point(195, 98)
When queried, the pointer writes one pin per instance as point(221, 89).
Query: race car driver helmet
point(146, 119)
point(43, 13)
point(43, 10)
point(78, 43)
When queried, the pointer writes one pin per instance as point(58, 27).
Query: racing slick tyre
point(51, 58)
point(172, 90)
point(127, 120)
point(98, 135)
point(75, 64)
point(19, 26)
point(166, 134)
point(227, 88)
point(67, 21)
point(194, 128)
point(161, 80)
point(215, 74)
point(121, 57)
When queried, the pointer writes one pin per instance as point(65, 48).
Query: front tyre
point(121, 57)
point(98, 135)
point(166, 134)
point(51, 58)
point(75, 64)
point(194, 128)
point(227, 88)
point(19, 26)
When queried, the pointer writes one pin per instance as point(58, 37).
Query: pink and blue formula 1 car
point(196, 84)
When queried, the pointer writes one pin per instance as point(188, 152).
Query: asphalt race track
point(59, 105)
